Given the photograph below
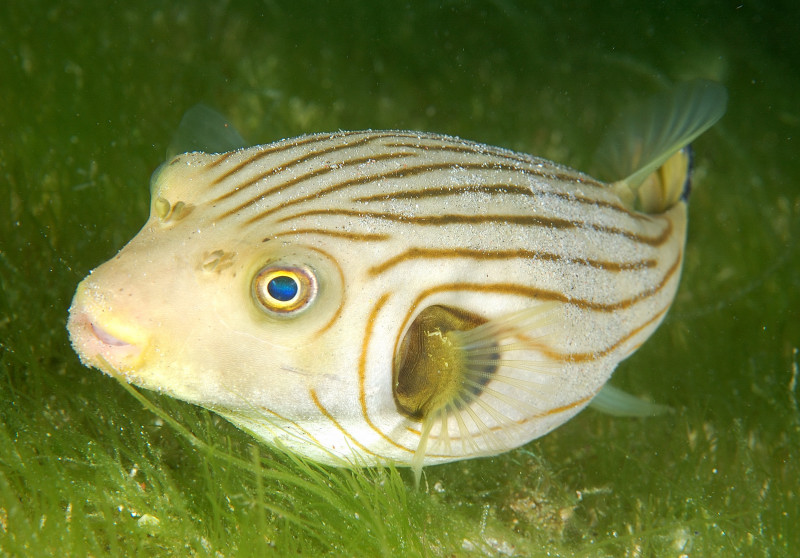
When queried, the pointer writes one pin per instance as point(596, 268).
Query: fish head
point(207, 312)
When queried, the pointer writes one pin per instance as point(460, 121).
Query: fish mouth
point(109, 346)
point(106, 338)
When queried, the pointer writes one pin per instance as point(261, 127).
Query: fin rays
point(650, 133)
point(503, 380)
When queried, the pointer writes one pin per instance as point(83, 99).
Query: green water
point(89, 97)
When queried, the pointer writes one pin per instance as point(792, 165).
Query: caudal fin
point(646, 144)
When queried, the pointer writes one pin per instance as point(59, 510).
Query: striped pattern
point(413, 220)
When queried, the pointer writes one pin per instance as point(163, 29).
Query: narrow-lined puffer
point(392, 296)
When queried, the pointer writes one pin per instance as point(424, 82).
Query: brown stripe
point(561, 409)
point(398, 173)
point(538, 294)
point(285, 165)
point(265, 151)
point(221, 159)
point(568, 406)
point(342, 294)
point(298, 179)
point(358, 237)
point(362, 370)
point(519, 422)
point(453, 144)
point(403, 172)
point(448, 191)
point(444, 253)
point(297, 426)
point(440, 220)
point(329, 416)
point(545, 295)
point(538, 167)
point(583, 357)
point(502, 189)
point(262, 153)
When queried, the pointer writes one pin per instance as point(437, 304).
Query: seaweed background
point(91, 93)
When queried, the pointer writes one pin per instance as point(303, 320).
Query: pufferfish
point(376, 297)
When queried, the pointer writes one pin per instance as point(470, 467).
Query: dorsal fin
point(649, 134)
point(204, 129)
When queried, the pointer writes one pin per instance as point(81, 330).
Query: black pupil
point(282, 288)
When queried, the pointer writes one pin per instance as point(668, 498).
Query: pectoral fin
point(456, 371)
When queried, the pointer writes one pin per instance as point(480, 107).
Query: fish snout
point(102, 339)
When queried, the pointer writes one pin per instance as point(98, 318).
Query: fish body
point(385, 296)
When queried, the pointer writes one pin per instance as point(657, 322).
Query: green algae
point(91, 95)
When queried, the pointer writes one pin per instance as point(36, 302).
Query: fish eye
point(284, 289)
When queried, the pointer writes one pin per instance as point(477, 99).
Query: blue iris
point(283, 288)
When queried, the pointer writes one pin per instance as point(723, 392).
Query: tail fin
point(646, 144)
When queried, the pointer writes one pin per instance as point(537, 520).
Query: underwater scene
point(92, 95)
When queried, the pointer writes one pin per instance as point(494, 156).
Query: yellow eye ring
point(284, 289)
